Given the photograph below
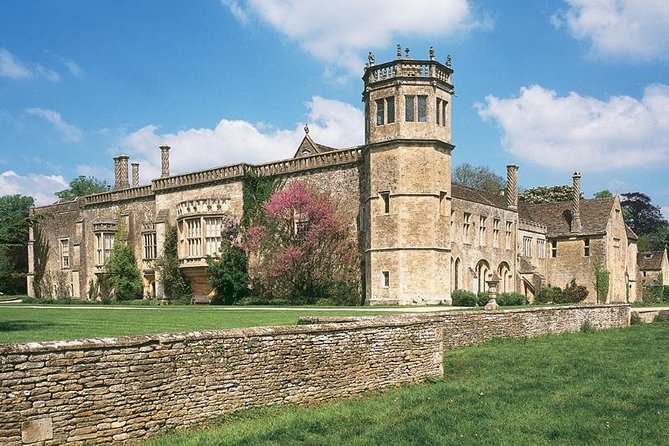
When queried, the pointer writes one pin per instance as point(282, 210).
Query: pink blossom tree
point(304, 251)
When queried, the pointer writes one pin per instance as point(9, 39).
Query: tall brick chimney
point(576, 203)
point(165, 161)
point(512, 187)
point(135, 174)
point(121, 172)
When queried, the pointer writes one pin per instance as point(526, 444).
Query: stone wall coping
point(362, 323)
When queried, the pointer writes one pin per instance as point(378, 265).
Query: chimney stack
point(135, 174)
point(165, 161)
point(512, 187)
point(121, 172)
point(576, 203)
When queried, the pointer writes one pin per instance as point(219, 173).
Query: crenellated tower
point(407, 158)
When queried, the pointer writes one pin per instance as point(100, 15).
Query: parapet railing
point(530, 225)
point(320, 160)
point(409, 68)
point(120, 195)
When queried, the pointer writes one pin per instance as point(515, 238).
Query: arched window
point(456, 274)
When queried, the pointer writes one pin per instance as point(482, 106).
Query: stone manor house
point(420, 235)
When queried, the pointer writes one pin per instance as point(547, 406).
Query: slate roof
point(308, 147)
point(650, 261)
point(557, 216)
point(478, 196)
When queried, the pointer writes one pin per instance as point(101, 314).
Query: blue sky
point(553, 86)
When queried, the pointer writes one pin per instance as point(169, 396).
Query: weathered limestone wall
point(476, 327)
point(113, 391)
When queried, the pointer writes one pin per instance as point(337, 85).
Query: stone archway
point(482, 273)
point(504, 272)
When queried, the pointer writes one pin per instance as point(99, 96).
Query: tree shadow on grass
point(24, 325)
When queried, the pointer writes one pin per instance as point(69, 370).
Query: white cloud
point(70, 132)
point(41, 187)
point(13, 68)
point(579, 132)
point(338, 32)
point(629, 28)
point(332, 123)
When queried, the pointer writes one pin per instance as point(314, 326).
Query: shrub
point(464, 298)
point(482, 298)
point(662, 316)
point(509, 299)
point(228, 273)
point(548, 294)
point(635, 318)
point(122, 273)
point(177, 289)
point(573, 293)
point(587, 327)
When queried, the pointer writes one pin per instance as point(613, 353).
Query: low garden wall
point(115, 391)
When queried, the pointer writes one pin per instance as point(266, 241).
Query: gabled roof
point(308, 147)
point(595, 213)
point(650, 261)
point(478, 196)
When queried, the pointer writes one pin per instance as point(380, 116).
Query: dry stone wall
point(114, 391)
point(121, 390)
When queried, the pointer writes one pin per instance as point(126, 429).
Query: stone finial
point(370, 59)
point(121, 172)
point(449, 61)
point(576, 202)
point(164, 161)
point(431, 53)
point(512, 187)
point(407, 53)
point(399, 51)
point(306, 129)
point(135, 174)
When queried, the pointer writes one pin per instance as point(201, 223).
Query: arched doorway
point(482, 273)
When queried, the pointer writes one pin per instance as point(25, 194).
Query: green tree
point(546, 194)
point(641, 215)
point(175, 285)
point(657, 240)
point(478, 177)
point(122, 275)
point(228, 273)
point(603, 194)
point(82, 186)
point(15, 221)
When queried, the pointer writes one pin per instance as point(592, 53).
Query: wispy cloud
point(69, 132)
point(13, 68)
point(331, 122)
point(624, 28)
point(338, 33)
point(41, 187)
point(579, 132)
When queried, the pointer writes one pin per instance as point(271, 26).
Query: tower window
point(385, 279)
point(409, 109)
point(390, 106)
point(586, 247)
point(385, 197)
point(380, 112)
point(422, 108)
point(553, 248)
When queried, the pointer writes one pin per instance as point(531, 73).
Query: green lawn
point(596, 388)
point(26, 323)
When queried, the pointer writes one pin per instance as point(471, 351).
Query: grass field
point(26, 323)
point(595, 388)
